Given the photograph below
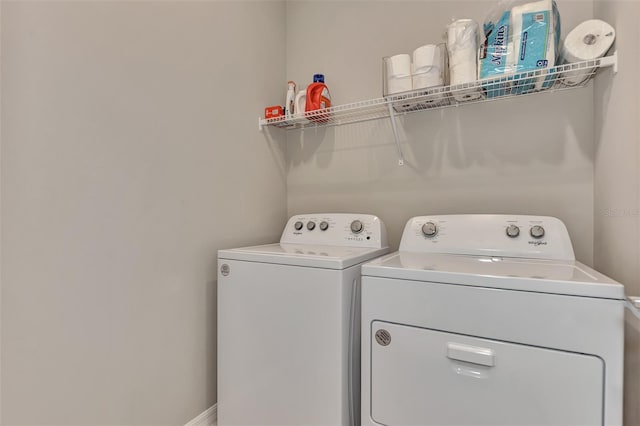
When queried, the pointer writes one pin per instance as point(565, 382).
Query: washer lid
point(315, 256)
point(538, 275)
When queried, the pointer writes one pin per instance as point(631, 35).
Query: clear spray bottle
point(291, 96)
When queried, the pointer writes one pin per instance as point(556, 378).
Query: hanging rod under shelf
point(560, 77)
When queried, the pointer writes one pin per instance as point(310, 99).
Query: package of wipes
point(520, 47)
point(536, 36)
point(496, 55)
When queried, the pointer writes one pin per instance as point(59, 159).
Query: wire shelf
point(561, 77)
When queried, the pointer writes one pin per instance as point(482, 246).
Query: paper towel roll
point(462, 46)
point(589, 40)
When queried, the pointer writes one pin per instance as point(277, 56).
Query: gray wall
point(617, 179)
point(130, 154)
point(532, 155)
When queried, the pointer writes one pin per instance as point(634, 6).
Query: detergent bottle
point(318, 98)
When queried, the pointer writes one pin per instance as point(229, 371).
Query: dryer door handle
point(471, 354)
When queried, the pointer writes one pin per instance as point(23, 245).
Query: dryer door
point(427, 377)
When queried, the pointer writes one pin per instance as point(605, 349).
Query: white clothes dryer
point(490, 320)
point(289, 323)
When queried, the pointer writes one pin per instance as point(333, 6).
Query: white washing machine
point(489, 320)
point(289, 323)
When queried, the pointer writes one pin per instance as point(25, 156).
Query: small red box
point(273, 111)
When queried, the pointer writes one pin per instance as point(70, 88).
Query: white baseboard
point(209, 417)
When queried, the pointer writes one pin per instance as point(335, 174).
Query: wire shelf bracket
point(392, 116)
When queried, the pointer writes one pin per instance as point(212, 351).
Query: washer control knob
point(537, 231)
point(298, 225)
point(356, 227)
point(513, 231)
point(429, 229)
point(311, 225)
point(324, 226)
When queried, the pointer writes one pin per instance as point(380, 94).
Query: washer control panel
point(537, 237)
point(336, 229)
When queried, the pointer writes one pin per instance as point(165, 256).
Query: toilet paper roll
point(398, 65)
point(462, 46)
point(427, 56)
point(428, 64)
point(398, 84)
point(431, 78)
point(589, 40)
point(432, 81)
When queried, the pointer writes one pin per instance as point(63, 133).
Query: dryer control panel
point(336, 229)
point(535, 237)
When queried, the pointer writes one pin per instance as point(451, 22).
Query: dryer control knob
point(356, 227)
point(311, 225)
point(537, 231)
point(513, 231)
point(324, 226)
point(298, 225)
point(429, 229)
